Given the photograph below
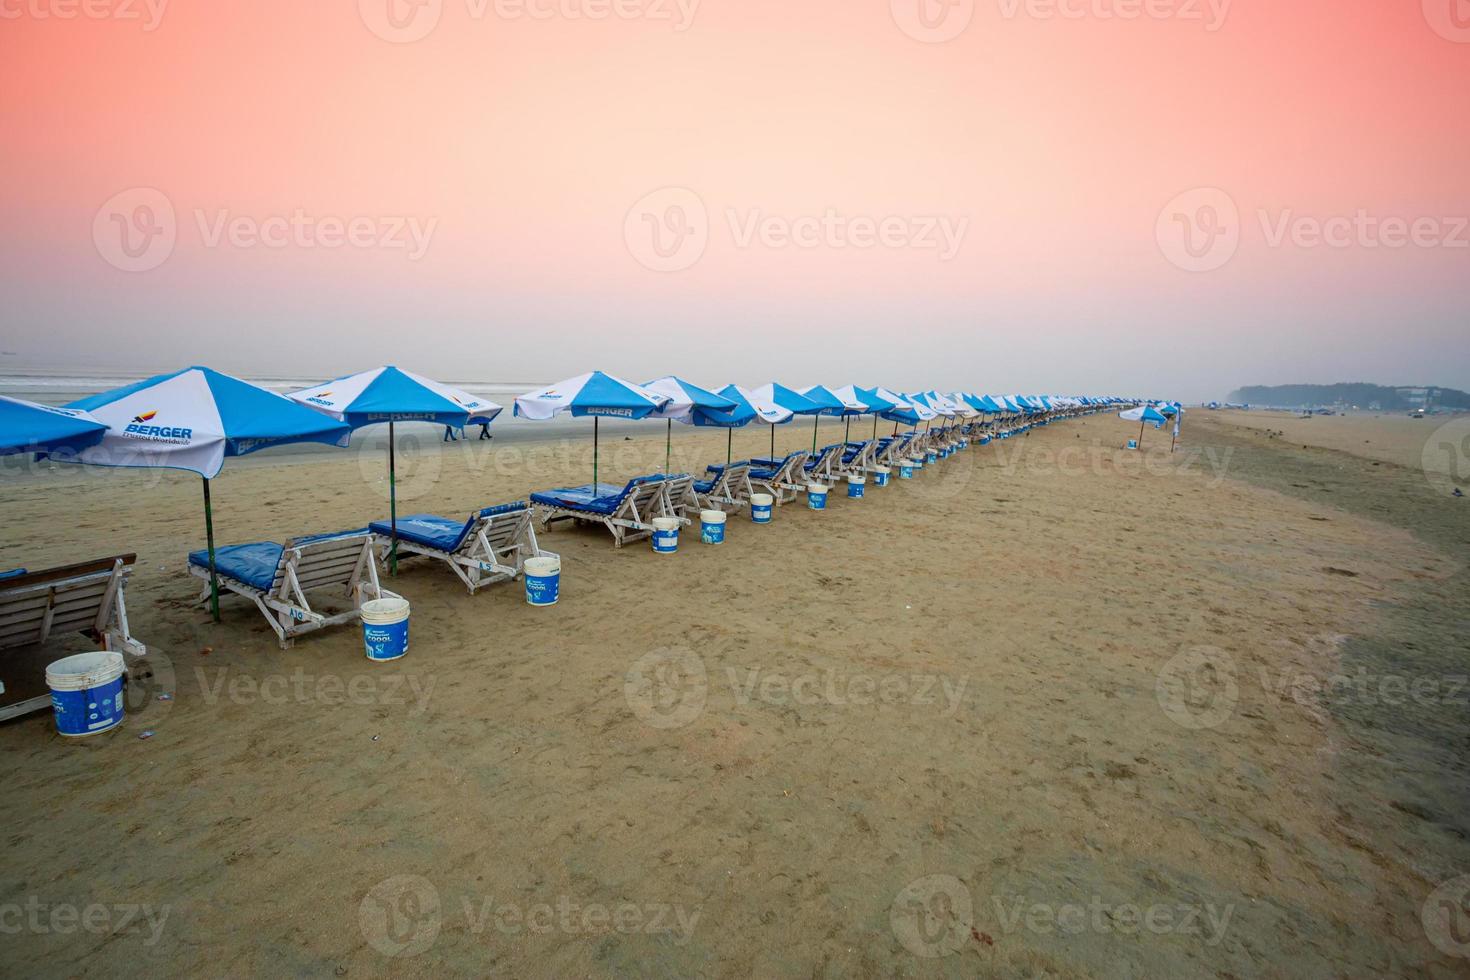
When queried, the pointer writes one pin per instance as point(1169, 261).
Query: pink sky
point(519, 145)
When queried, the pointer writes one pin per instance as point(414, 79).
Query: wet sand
point(1050, 709)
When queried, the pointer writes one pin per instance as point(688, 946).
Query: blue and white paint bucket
point(856, 487)
point(880, 476)
point(86, 693)
point(760, 508)
point(712, 526)
point(665, 535)
point(385, 628)
point(543, 581)
point(931, 457)
point(1132, 443)
point(906, 469)
point(816, 496)
point(918, 462)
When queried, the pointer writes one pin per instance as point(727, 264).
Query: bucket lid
point(666, 523)
point(712, 516)
point(816, 488)
point(542, 565)
point(762, 499)
point(855, 478)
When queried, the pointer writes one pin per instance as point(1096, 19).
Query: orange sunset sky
point(543, 187)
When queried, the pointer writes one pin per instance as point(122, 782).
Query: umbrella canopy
point(685, 398)
point(26, 427)
point(391, 394)
point(684, 401)
point(869, 396)
point(1143, 413)
point(789, 399)
point(195, 418)
point(595, 394)
point(904, 411)
point(830, 403)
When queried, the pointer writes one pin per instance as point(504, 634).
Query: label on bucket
point(855, 490)
point(90, 710)
point(760, 513)
point(712, 533)
point(385, 641)
point(665, 542)
point(543, 590)
point(817, 501)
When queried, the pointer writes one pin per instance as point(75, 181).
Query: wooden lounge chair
point(277, 577)
point(490, 546)
point(627, 511)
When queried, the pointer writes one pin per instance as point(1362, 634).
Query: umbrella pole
point(209, 540)
point(392, 502)
point(875, 425)
point(815, 420)
point(847, 430)
point(668, 447)
point(729, 444)
point(773, 440)
point(595, 420)
point(1141, 423)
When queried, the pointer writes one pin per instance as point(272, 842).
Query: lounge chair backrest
point(74, 598)
point(322, 560)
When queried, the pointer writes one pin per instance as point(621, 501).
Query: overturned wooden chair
point(87, 598)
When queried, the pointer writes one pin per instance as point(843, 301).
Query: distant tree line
point(1356, 393)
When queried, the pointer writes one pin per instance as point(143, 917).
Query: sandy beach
point(1051, 709)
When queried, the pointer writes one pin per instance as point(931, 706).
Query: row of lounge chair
point(486, 547)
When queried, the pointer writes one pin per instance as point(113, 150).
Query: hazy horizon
point(919, 195)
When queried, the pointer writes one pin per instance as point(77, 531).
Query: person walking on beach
point(485, 431)
point(449, 434)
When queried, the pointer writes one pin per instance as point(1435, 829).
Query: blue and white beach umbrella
point(26, 427)
point(593, 394)
point(1143, 414)
point(193, 420)
point(685, 402)
point(764, 410)
point(390, 394)
point(829, 404)
point(785, 398)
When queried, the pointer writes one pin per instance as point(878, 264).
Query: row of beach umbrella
point(196, 418)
